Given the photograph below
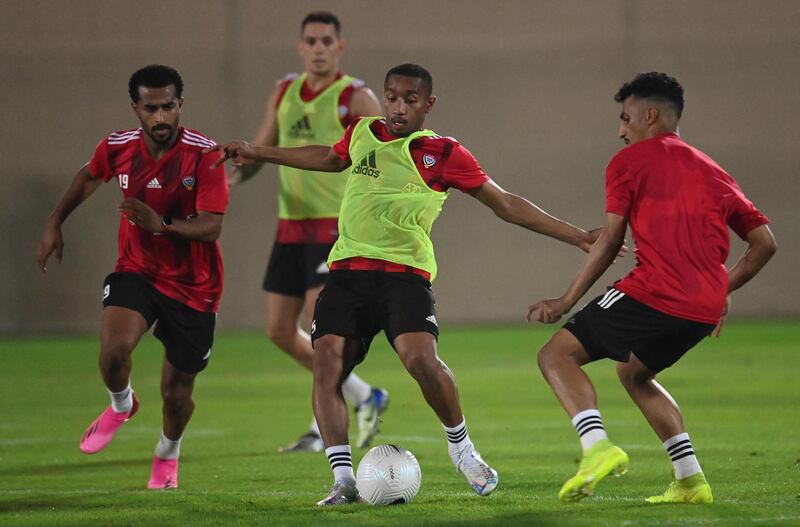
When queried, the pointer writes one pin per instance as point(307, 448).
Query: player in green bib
point(312, 108)
point(383, 263)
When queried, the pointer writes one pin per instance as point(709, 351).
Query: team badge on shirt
point(428, 160)
point(188, 182)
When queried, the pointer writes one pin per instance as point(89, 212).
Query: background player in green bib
point(383, 262)
point(312, 108)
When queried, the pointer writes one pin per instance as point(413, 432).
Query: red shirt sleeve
point(618, 188)
point(462, 170)
point(342, 146)
point(99, 166)
point(212, 187)
point(743, 216)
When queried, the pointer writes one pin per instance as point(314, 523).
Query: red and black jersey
point(679, 204)
point(443, 164)
point(179, 184)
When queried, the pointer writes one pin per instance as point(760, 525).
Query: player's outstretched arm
point(519, 211)
point(52, 240)
point(602, 255)
point(204, 227)
point(313, 157)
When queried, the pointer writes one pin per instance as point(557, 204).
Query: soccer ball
point(388, 475)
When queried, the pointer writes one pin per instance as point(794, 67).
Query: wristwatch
point(166, 223)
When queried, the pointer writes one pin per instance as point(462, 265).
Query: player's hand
point(141, 214)
point(548, 311)
point(718, 330)
point(592, 236)
point(239, 152)
point(51, 240)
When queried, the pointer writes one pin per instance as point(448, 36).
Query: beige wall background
point(526, 85)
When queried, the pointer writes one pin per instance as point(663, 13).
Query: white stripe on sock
point(341, 460)
point(677, 448)
point(589, 419)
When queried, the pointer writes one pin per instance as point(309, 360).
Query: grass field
point(739, 394)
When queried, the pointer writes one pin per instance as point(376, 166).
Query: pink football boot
point(164, 474)
point(102, 430)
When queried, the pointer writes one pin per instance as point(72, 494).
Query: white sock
point(122, 401)
point(341, 460)
point(589, 426)
point(457, 440)
point(680, 451)
point(314, 428)
point(355, 390)
point(168, 449)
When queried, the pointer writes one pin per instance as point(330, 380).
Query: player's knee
point(326, 361)
point(545, 359)
point(631, 377)
point(280, 334)
point(115, 356)
point(421, 364)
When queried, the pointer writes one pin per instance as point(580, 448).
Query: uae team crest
point(428, 160)
point(188, 182)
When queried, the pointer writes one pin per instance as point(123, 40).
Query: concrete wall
point(526, 85)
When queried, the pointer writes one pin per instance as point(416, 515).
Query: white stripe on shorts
point(609, 300)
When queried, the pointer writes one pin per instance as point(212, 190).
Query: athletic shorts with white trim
point(362, 303)
point(294, 268)
point(614, 325)
point(187, 334)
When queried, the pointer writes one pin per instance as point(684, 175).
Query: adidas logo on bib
point(367, 166)
point(302, 128)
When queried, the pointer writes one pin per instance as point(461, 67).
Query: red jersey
point(317, 230)
point(679, 204)
point(443, 164)
point(179, 184)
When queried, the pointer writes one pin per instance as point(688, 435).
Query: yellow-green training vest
point(305, 194)
point(388, 209)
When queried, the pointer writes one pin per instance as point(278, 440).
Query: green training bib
point(388, 209)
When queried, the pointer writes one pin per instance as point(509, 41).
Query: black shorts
point(615, 325)
point(294, 268)
point(360, 304)
point(187, 334)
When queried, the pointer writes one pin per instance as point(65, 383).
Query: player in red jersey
point(312, 108)
point(679, 204)
point(169, 268)
point(383, 262)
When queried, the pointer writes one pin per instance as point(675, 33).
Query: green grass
point(739, 394)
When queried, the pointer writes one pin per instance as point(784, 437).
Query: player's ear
point(430, 103)
point(342, 45)
point(652, 114)
point(180, 103)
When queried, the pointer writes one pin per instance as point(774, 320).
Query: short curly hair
point(154, 76)
point(412, 70)
point(653, 85)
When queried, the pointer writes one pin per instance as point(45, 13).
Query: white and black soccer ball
point(388, 475)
